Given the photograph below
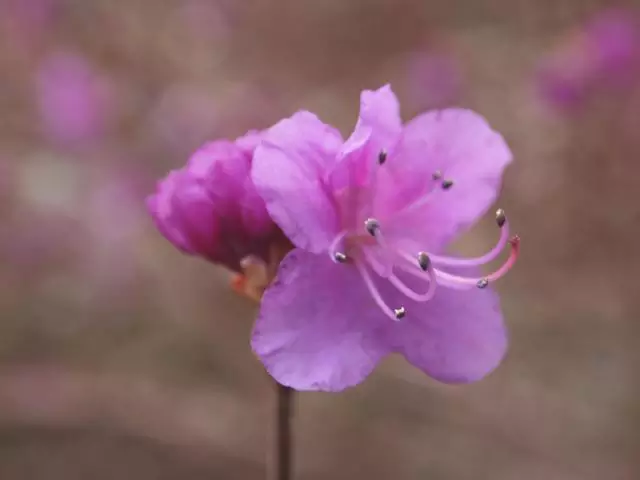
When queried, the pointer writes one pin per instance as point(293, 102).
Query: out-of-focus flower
point(27, 21)
point(370, 218)
point(210, 208)
point(604, 53)
point(435, 80)
point(73, 100)
point(112, 226)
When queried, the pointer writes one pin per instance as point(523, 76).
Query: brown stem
point(282, 453)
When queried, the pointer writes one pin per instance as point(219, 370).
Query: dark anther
point(424, 261)
point(447, 184)
point(400, 312)
point(372, 226)
point(501, 217)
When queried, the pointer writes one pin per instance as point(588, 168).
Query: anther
point(372, 226)
point(501, 217)
point(382, 157)
point(514, 241)
point(340, 257)
point(447, 184)
point(424, 261)
point(482, 283)
point(399, 312)
point(437, 175)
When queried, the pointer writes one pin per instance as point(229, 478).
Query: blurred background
point(122, 358)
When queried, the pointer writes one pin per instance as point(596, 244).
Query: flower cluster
point(368, 220)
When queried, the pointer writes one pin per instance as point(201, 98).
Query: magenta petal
point(288, 171)
point(462, 147)
point(378, 128)
point(211, 208)
point(181, 209)
point(222, 167)
point(456, 337)
point(379, 113)
point(318, 328)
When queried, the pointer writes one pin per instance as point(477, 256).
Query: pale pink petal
point(181, 209)
point(456, 337)
point(459, 145)
point(379, 113)
point(378, 128)
point(288, 171)
point(318, 328)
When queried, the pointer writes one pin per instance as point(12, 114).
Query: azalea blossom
point(370, 218)
point(211, 209)
point(74, 102)
point(603, 54)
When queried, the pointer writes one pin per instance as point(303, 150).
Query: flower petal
point(183, 212)
point(288, 171)
point(462, 147)
point(379, 127)
point(380, 113)
point(456, 337)
point(318, 328)
point(224, 168)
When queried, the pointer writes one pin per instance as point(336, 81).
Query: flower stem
point(282, 441)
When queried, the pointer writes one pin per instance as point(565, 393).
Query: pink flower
point(604, 53)
point(210, 208)
point(28, 21)
point(73, 100)
point(370, 218)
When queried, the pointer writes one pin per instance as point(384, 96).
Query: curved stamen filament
point(375, 294)
point(456, 281)
point(334, 253)
point(483, 281)
point(413, 295)
point(411, 270)
point(401, 286)
point(373, 227)
point(486, 258)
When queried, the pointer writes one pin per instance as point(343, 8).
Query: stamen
point(400, 285)
point(334, 253)
point(372, 225)
point(437, 175)
point(375, 294)
point(486, 258)
point(340, 257)
point(482, 283)
point(424, 261)
point(500, 272)
point(412, 294)
point(382, 157)
point(501, 217)
point(447, 184)
point(399, 313)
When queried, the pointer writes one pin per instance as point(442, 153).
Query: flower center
point(368, 250)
